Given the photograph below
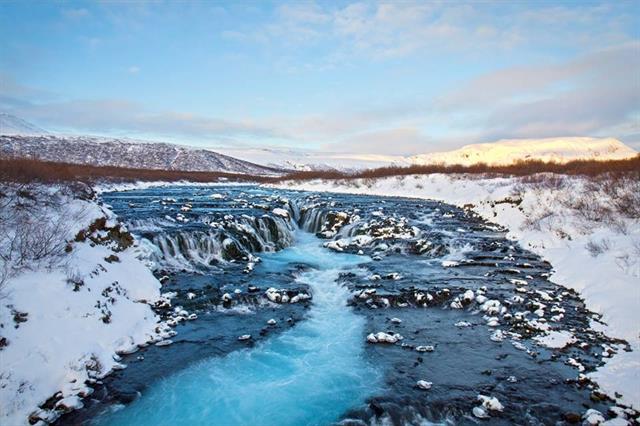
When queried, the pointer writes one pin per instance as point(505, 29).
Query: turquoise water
point(309, 375)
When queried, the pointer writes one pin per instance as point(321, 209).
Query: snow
point(559, 150)
point(12, 125)
point(123, 152)
point(72, 336)
point(490, 403)
point(306, 160)
point(499, 152)
point(382, 337)
point(141, 185)
point(280, 212)
point(545, 219)
point(556, 339)
point(593, 417)
point(424, 385)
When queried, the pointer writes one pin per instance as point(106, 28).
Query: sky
point(391, 78)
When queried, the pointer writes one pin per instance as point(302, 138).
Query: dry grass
point(30, 170)
point(521, 168)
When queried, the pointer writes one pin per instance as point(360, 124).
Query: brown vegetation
point(34, 227)
point(521, 168)
point(29, 170)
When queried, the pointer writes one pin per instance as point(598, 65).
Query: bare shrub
point(33, 170)
point(34, 228)
point(591, 208)
point(596, 248)
point(545, 181)
point(535, 221)
point(624, 192)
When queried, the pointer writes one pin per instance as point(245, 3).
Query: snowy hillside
point(73, 295)
point(114, 152)
point(12, 125)
point(559, 150)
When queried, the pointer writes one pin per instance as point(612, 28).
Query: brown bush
point(30, 170)
point(521, 168)
point(34, 227)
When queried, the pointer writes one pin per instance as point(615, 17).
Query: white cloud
point(381, 30)
point(76, 13)
point(134, 69)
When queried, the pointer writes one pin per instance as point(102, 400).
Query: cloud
point(618, 64)
point(592, 94)
point(122, 116)
point(574, 112)
point(387, 30)
point(582, 96)
point(394, 141)
point(76, 13)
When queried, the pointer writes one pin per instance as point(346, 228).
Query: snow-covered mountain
point(560, 150)
point(23, 139)
point(100, 151)
point(12, 125)
point(306, 160)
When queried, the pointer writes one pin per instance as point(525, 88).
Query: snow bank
point(64, 324)
point(140, 185)
point(597, 257)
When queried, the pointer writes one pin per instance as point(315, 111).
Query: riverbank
point(578, 224)
point(73, 296)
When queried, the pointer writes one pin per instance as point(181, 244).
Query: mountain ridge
point(20, 138)
point(12, 125)
point(114, 152)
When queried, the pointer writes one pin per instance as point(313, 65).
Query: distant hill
point(12, 125)
point(504, 152)
point(22, 139)
point(101, 151)
point(308, 160)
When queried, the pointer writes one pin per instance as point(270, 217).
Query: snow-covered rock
point(592, 417)
point(424, 385)
point(280, 212)
point(491, 403)
point(556, 339)
point(382, 337)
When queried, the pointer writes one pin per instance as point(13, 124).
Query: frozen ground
point(587, 229)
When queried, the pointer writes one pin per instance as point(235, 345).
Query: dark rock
point(572, 417)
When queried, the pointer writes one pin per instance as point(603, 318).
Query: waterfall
point(200, 248)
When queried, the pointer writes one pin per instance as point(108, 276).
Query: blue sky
point(385, 78)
